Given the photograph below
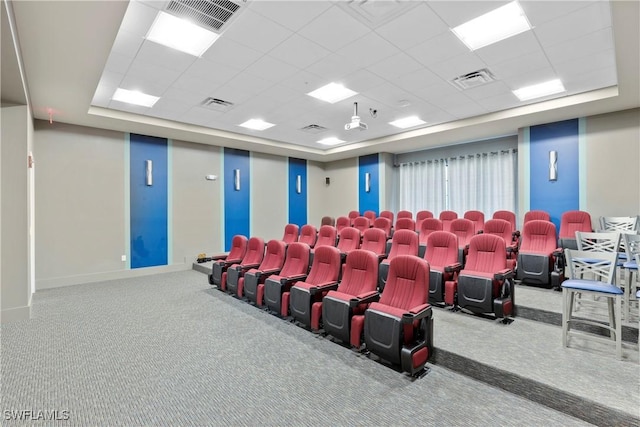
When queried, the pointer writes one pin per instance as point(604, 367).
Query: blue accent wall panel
point(297, 201)
point(148, 203)
point(236, 202)
point(369, 201)
point(562, 195)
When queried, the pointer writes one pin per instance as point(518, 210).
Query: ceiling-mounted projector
point(355, 120)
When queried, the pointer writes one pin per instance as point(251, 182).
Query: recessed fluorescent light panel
point(332, 93)
point(330, 141)
point(135, 97)
point(407, 122)
point(499, 24)
point(256, 124)
point(180, 34)
point(539, 90)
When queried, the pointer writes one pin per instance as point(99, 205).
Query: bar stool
point(601, 266)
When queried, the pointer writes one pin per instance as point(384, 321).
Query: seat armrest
point(270, 271)
point(292, 279)
point(507, 273)
point(558, 252)
point(364, 299)
point(453, 268)
point(416, 313)
point(324, 287)
point(480, 232)
point(247, 267)
point(217, 257)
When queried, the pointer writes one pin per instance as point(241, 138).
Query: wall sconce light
point(149, 172)
point(299, 184)
point(236, 179)
point(367, 182)
point(553, 165)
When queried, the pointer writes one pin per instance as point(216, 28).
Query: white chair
point(632, 246)
point(619, 223)
point(601, 266)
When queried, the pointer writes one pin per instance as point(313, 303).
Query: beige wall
point(15, 218)
point(197, 207)
point(80, 201)
point(316, 188)
point(269, 195)
point(612, 161)
point(341, 195)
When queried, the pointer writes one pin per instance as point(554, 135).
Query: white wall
point(612, 145)
point(269, 195)
point(15, 218)
point(197, 207)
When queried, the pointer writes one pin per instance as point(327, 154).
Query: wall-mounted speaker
point(327, 181)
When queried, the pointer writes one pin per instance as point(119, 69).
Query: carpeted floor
point(170, 350)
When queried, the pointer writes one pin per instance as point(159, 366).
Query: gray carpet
point(170, 350)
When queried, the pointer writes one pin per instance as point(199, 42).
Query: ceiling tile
point(332, 67)
point(583, 21)
point(367, 50)
point(499, 102)
point(127, 43)
point(592, 79)
point(390, 94)
point(299, 51)
point(361, 81)
point(290, 14)
point(257, 32)
point(395, 66)
point(417, 79)
point(538, 12)
point(162, 56)
point(466, 110)
point(532, 77)
point(440, 48)
point(334, 29)
point(487, 90)
point(458, 66)
point(212, 72)
point(271, 69)
point(118, 63)
point(414, 27)
point(138, 18)
point(203, 87)
point(149, 78)
point(184, 97)
point(228, 52)
point(129, 108)
point(521, 65)
point(586, 45)
point(304, 82)
point(248, 83)
point(510, 48)
point(569, 69)
point(454, 13)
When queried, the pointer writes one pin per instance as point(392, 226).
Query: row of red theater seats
point(289, 289)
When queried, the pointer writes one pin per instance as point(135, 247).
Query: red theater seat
point(446, 217)
point(271, 264)
point(308, 235)
point(235, 255)
point(502, 228)
point(465, 230)
point(399, 327)
point(537, 254)
point(485, 284)
point(295, 268)
point(442, 256)
point(322, 278)
point(571, 222)
point(404, 242)
point(290, 233)
point(375, 240)
point(477, 218)
point(252, 259)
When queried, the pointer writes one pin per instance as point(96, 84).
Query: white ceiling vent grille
point(313, 129)
point(217, 104)
point(212, 14)
point(473, 79)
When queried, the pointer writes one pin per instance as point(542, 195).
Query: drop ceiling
point(400, 56)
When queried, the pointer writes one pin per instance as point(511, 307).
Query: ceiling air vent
point(212, 14)
point(217, 104)
point(474, 79)
point(313, 129)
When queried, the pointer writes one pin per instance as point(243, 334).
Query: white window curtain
point(422, 185)
point(484, 182)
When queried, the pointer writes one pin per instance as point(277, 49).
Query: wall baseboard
point(15, 314)
point(108, 275)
